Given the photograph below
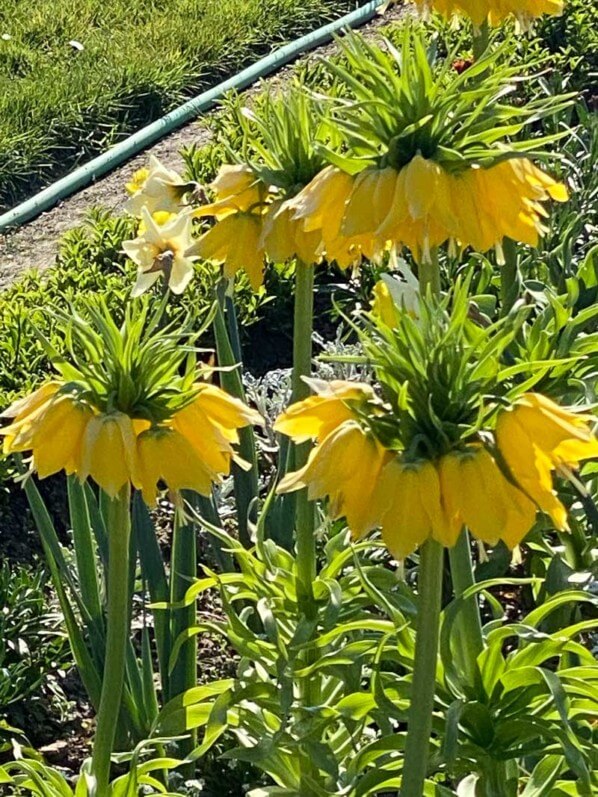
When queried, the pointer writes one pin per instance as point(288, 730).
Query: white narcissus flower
point(161, 189)
point(162, 249)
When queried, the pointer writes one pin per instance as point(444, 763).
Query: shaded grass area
point(75, 76)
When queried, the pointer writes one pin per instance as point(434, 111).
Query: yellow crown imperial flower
point(162, 249)
point(345, 468)
point(236, 243)
point(410, 500)
point(316, 416)
point(427, 159)
point(236, 189)
point(410, 507)
point(536, 437)
point(165, 454)
point(423, 206)
point(51, 423)
point(156, 188)
point(284, 236)
point(321, 206)
point(496, 493)
point(108, 452)
point(131, 417)
point(475, 493)
point(192, 450)
point(495, 11)
point(524, 11)
point(255, 203)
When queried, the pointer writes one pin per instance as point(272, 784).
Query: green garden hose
point(143, 138)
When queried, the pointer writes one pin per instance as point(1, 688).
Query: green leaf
point(544, 777)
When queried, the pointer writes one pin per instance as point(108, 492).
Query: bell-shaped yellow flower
point(24, 413)
point(423, 205)
point(224, 411)
point(535, 436)
point(164, 454)
point(192, 449)
point(508, 198)
point(345, 468)
point(316, 417)
point(495, 11)
point(51, 425)
point(475, 493)
point(409, 498)
point(284, 236)
point(235, 242)
point(321, 207)
point(109, 452)
point(210, 423)
point(236, 189)
point(524, 11)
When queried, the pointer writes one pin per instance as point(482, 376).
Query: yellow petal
point(317, 416)
point(109, 452)
point(25, 406)
point(210, 445)
point(421, 177)
point(57, 440)
point(360, 214)
point(529, 466)
point(164, 454)
point(521, 515)
point(405, 521)
point(227, 411)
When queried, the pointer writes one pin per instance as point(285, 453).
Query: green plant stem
point(245, 482)
point(302, 330)
point(469, 623)
point(481, 39)
point(304, 511)
point(423, 687)
point(183, 570)
point(429, 274)
point(509, 277)
point(118, 522)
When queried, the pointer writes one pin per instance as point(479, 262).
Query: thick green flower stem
point(302, 353)
point(183, 570)
point(429, 274)
point(118, 523)
point(304, 509)
point(509, 276)
point(245, 482)
point(423, 686)
point(469, 622)
point(481, 39)
point(302, 330)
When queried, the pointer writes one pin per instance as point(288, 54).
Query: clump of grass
point(76, 77)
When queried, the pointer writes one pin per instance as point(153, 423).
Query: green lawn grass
point(59, 104)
